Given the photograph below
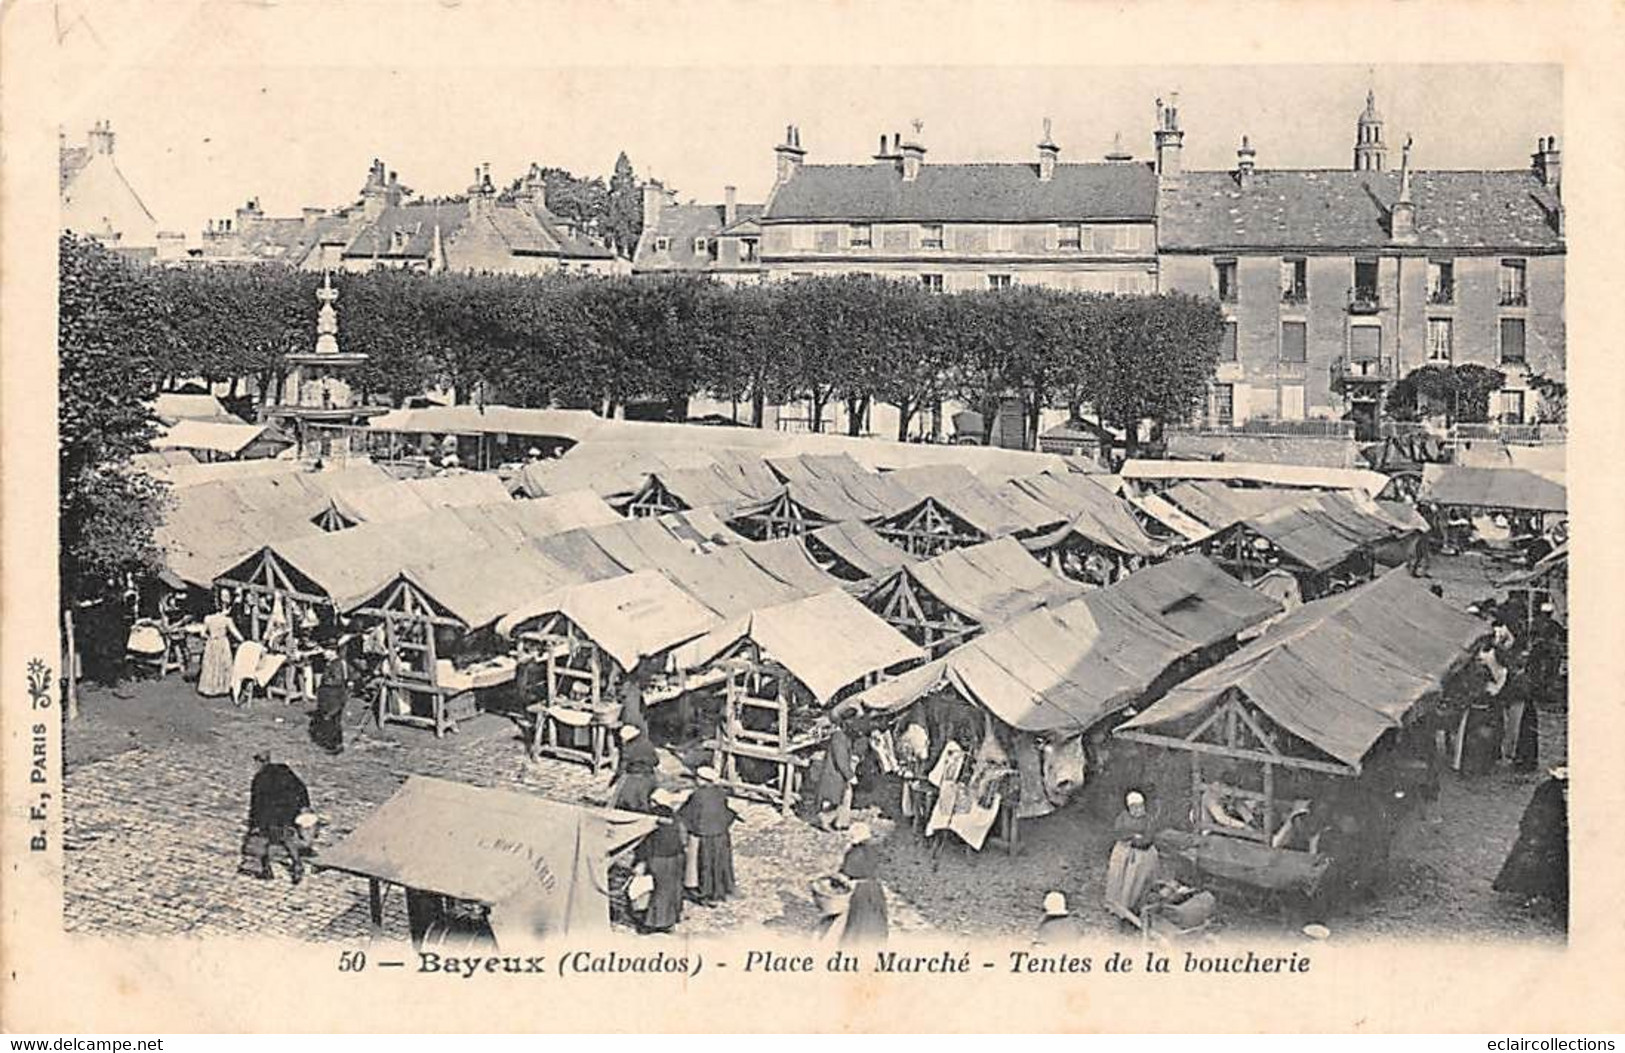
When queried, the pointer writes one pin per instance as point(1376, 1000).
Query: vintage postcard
point(830, 517)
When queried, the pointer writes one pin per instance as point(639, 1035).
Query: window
point(1512, 335)
point(700, 246)
point(861, 235)
point(1227, 346)
point(1365, 282)
point(1294, 281)
point(931, 237)
point(1224, 279)
point(662, 244)
point(1514, 284)
point(1440, 337)
point(1365, 343)
point(1292, 402)
point(999, 281)
point(1441, 281)
point(1511, 407)
point(1294, 342)
point(747, 250)
point(1224, 404)
point(1071, 236)
point(931, 282)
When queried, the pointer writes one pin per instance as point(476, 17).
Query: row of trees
point(602, 343)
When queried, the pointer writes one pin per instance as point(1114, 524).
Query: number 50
point(352, 961)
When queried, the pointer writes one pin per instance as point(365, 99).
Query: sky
point(215, 102)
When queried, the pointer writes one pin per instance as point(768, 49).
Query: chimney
point(533, 189)
point(1170, 144)
point(1048, 155)
point(374, 194)
point(171, 244)
point(249, 213)
point(1245, 156)
point(654, 198)
point(913, 154)
point(1118, 155)
point(480, 192)
point(883, 154)
point(1402, 217)
point(730, 206)
point(101, 138)
point(1548, 165)
point(789, 153)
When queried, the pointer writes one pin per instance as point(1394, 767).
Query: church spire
point(1370, 152)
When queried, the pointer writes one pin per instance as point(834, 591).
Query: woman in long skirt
point(214, 677)
point(1133, 864)
point(709, 819)
point(332, 697)
point(1538, 865)
point(661, 854)
point(865, 921)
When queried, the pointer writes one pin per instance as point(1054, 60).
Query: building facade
point(1336, 283)
point(956, 227)
point(720, 241)
point(97, 201)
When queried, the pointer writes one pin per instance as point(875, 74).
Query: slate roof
point(73, 160)
point(524, 232)
point(951, 193)
point(1490, 210)
point(682, 224)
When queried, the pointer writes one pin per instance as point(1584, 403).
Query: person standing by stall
point(1133, 863)
point(865, 922)
point(635, 771)
point(332, 698)
point(709, 821)
point(836, 779)
point(214, 676)
point(661, 856)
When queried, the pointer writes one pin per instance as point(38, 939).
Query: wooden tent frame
point(1231, 548)
point(267, 582)
point(653, 499)
point(571, 656)
point(928, 530)
point(781, 517)
point(913, 611)
point(410, 618)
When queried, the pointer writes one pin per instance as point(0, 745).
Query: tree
point(1458, 393)
point(382, 316)
point(1158, 355)
point(623, 219)
point(114, 327)
point(1554, 399)
point(910, 372)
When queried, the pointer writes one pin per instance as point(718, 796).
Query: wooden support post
point(375, 905)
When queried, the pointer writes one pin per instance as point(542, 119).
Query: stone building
point(98, 201)
point(1337, 282)
point(722, 241)
point(952, 227)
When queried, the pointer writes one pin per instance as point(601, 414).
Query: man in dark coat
point(630, 693)
point(836, 779)
point(635, 771)
point(275, 799)
point(709, 821)
point(1538, 865)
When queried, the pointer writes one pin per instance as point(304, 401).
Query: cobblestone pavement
point(157, 790)
point(157, 786)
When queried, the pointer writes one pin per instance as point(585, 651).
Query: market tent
point(220, 438)
point(828, 641)
point(630, 617)
point(700, 527)
point(1093, 513)
point(1192, 596)
point(1286, 475)
point(1054, 669)
point(476, 588)
point(613, 472)
point(171, 407)
point(571, 425)
point(411, 497)
point(1322, 532)
point(728, 581)
point(1219, 507)
point(211, 527)
point(1336, 673)
point(541, 516)
point(787, 560)
point(541, 865)
point(806, 467)
point(1512, 488)
point(1186, 527)
point(1547, 459)
point(580, 551)
point(721, 486)
point(639, 544)
point(856, 547)
point(816, 502)
point(923, 480)
point(989, 584)
point(158, 462)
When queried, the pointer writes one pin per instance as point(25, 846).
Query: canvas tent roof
point(213, 436)
point(1219, 507)
point(1338, 672)
point(729, 582)
point(1170, 515)
point(170, 407)
point(1093, 512)
point(491, 845)
point(481, 586)
point(1447, 484)
point(1066, 666)
point(574, 425)
point(1288, 475)
point(373, 503)
point(828, 641)
point(699, 526)
point(807, 467)
point(990, 583)
point(610, 471)
point(857, 545)
point(787, 560)
point(630, 617)
point(864, 496)
point(1325, 530)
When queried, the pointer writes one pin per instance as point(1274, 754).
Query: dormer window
point(700, 245)
point(662, 244)
point(747, 249)
point(1071, 236)
point(931, 236)
point(397, 240)
point(861, 235)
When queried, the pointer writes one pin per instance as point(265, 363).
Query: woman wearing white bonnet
point(1059, 927)
point(865, 922)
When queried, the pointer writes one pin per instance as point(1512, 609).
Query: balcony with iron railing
point(1357, 370)
point(1514, 298)
point(1295, 296)
point(1364, 301)
point(1442, 296)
